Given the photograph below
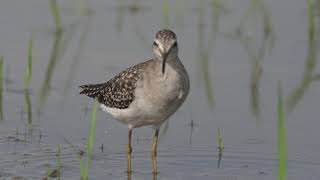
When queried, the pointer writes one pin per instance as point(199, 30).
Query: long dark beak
point(165, 55)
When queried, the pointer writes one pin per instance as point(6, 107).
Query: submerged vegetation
point(55, 11)
point(1, 87)
point(282, 139)
point(27, 83)
point(56, 171)
point(257, 45)
point(220, 147)
point(166, 11)
point(54, 57)
point(29, 65)
point(85, 163)
point(58, 47)
point(206, 45)
point(309, 74)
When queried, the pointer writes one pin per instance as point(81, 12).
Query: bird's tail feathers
point(92, 90)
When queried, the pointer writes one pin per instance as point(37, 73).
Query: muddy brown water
point(117, 34)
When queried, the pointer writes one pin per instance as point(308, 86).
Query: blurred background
point(236, 124)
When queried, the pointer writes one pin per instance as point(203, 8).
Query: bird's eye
point(155, 44)
point(175, 44)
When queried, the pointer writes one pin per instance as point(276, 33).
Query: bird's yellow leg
point(154, 151)
point(129, 151)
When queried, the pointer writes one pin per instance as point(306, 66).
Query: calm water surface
point(113, 35)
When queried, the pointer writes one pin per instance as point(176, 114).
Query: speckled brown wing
point(118, 92)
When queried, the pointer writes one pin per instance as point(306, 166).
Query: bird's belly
point(154, 110)
point(139, 114)
point(148, 111)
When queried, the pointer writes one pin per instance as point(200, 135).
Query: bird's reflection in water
point(154, 176)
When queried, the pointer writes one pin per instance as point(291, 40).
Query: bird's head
point(165, 46)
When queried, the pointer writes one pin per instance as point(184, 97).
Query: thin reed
point(205, 48)
point(1, 87)
point(310, 62)
point(84, 165)
point(256, 47)
point(28, 107)
point(220, 147)
point(54, 7)
point(81, 7)
point(27, 82)
point(282, 139)
point(29, 65)
point(59, 157)
point(165, 11)
point(55, 172)
point(220, 141)
point(54, 57)
point(56, 51)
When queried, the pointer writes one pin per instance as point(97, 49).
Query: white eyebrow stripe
point(159, 45)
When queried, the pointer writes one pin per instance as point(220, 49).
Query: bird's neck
point(170, 59)
point(172, 62)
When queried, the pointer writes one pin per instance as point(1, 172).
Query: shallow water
point(116, 35)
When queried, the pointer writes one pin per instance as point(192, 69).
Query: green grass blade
point(27, 83)
point(84, 166)
point(165, 11)
point(92, 130)
point(29, 66)
point(282, 141)
point(28, 107)
point(204, 52)
point(59, 161)
point(54, 57)
point(56, 14)
point(58, 156)
point(220, 147)
point(311, 60)
point(1, 87)
point(220, 140)
point(311, 20)
point(82, 169)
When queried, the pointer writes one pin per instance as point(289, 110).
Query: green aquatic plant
point(81, 7)
point(59, 160)
point(76, 58)
point(206, 47)
point(124, 9)
point(120, 16)
point(55, 11)
point(220, 147)
point(220, 141)
point(27, 83)
point(310, 62)
point(180, 10)
point(54, 57)
point(92, 130)
point(84, 164)
point(256, 53)
point(282, 139)
point(203, 54)
point(1, 87)
point(29, 65)
point(166, 13)
point(256, 47)
point(28, 107)
point(207, 42)
point(60, 45)
point(55, 172)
